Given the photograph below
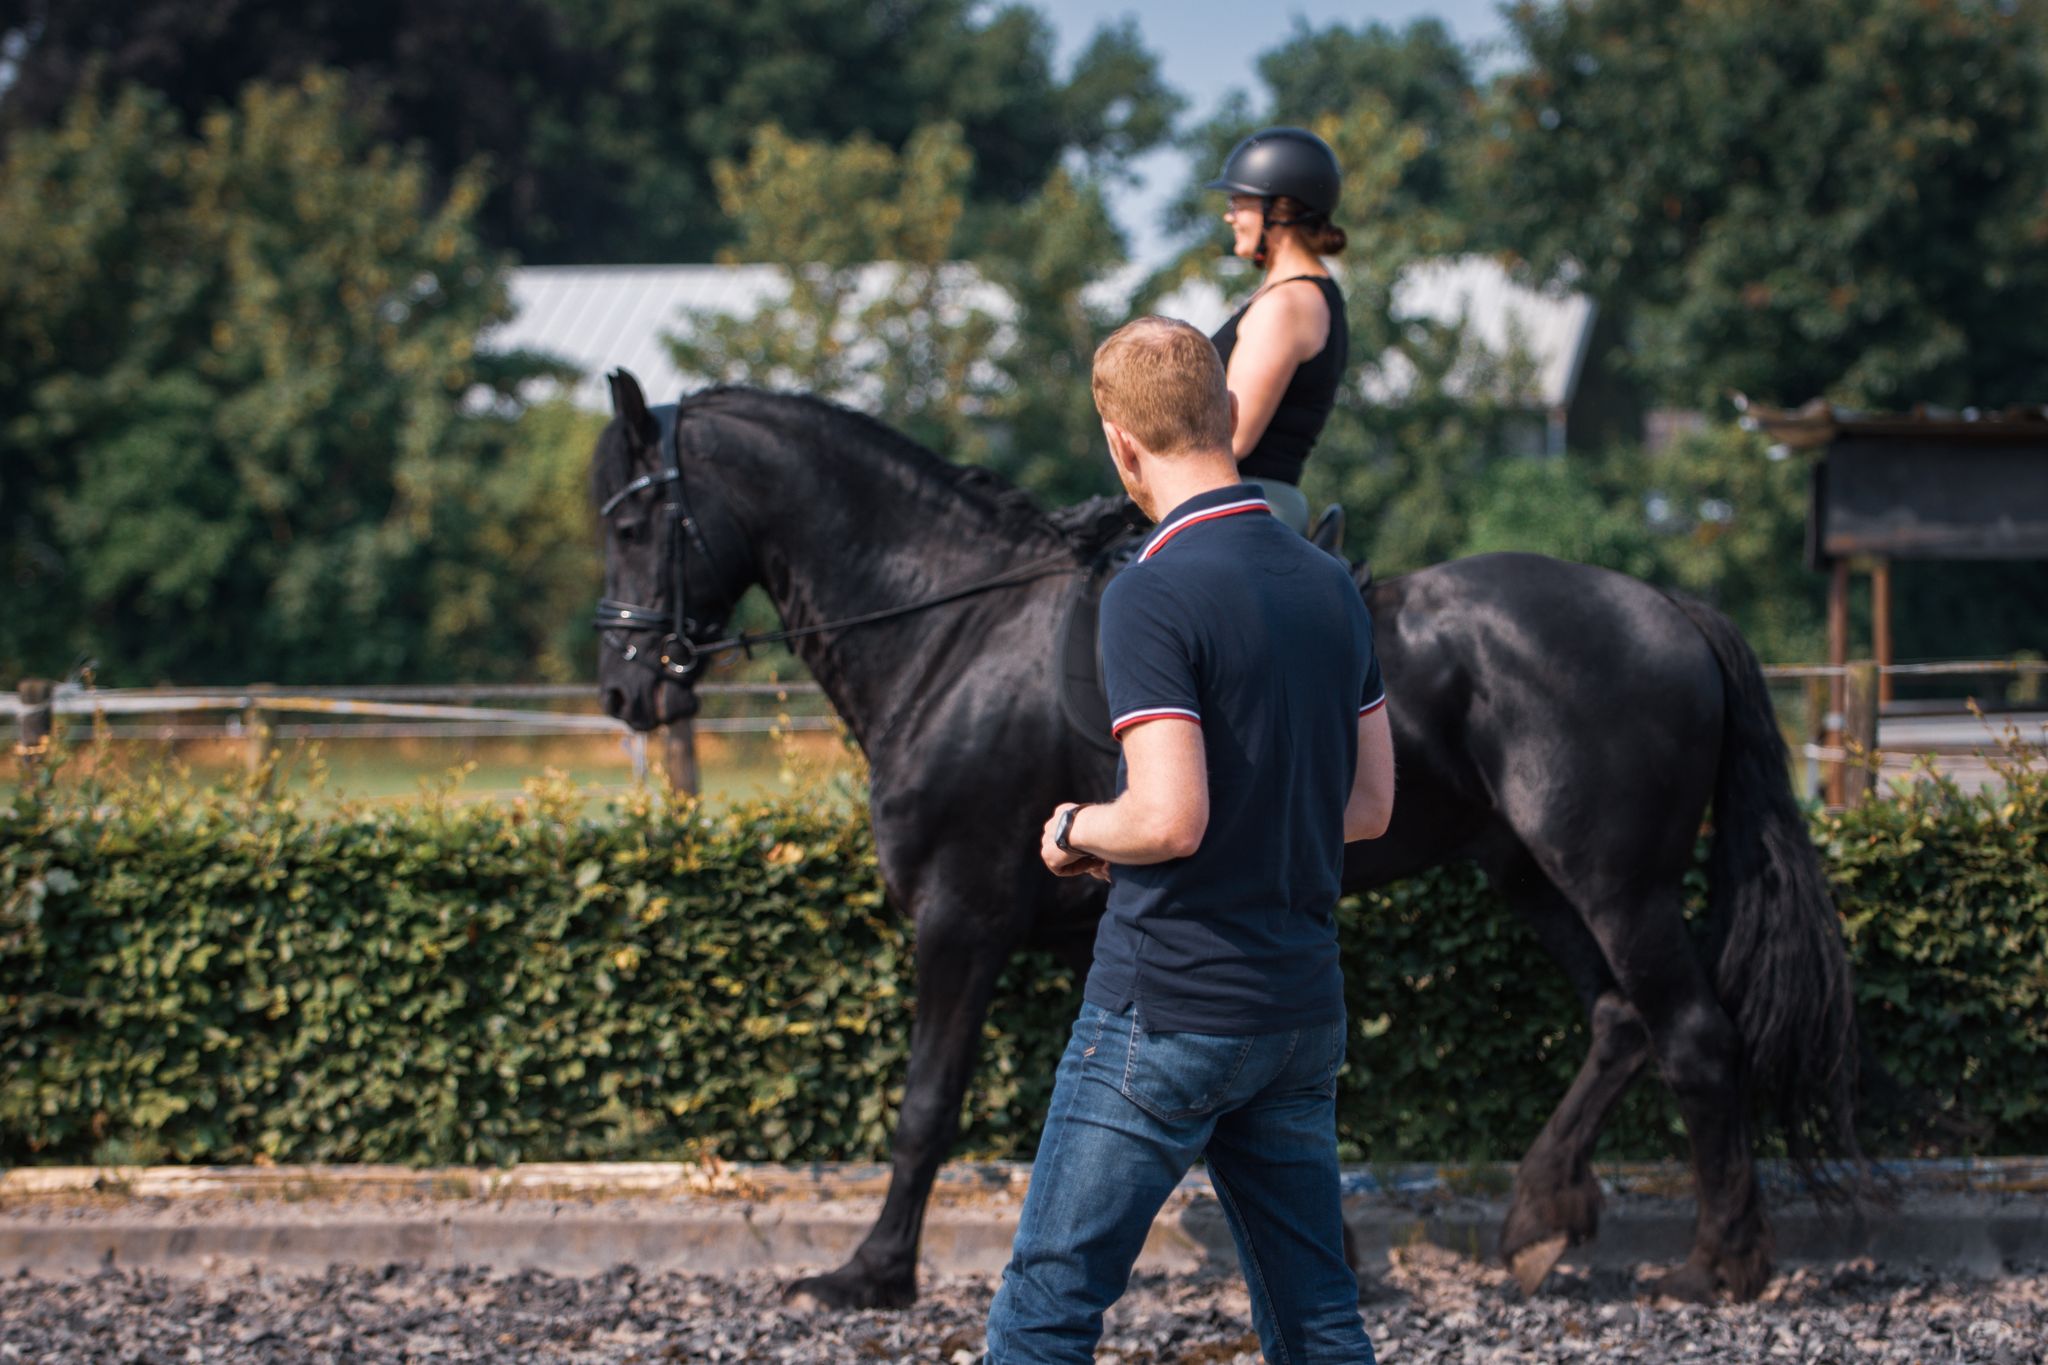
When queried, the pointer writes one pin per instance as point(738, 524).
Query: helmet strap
point(1267, 221)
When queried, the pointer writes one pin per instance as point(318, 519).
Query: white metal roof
point(1551, 327)
point(601, 317)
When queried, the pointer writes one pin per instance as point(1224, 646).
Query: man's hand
point(1059, 861)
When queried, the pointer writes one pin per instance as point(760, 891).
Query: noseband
point(680, 654)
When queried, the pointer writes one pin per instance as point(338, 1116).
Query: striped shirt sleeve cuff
point(1130, 718)
point(1373, 706)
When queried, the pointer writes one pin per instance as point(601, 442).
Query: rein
point(1049, 567)
point(682, 654)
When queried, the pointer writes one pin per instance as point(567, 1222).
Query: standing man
point(1239, 665)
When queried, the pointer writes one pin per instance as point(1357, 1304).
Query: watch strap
point(1064, 829)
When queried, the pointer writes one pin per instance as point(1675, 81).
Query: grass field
point(732, 767)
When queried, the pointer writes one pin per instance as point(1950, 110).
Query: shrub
point(219, 977)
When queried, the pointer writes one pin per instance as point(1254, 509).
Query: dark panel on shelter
point(1934, 497)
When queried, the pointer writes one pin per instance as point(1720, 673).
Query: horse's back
point(1554, 700)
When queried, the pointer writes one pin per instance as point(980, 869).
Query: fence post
point(679, 756)
point(255, 738)
point(1859, 733)
point(1816, 734)
point(33, 722)
point(1838, 657)
point(1881, 626)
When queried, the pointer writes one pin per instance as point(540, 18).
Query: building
point(601, 317)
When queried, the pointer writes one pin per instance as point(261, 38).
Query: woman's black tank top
point(1310, 395)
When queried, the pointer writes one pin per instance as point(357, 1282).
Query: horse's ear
point(629, 405)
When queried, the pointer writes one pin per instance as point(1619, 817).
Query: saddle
point(1108, 532)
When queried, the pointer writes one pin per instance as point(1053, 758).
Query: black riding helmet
point(1283, 161)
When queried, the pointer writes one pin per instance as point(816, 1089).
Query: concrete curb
point(1971, 1217)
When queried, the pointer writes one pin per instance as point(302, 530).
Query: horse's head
point(667, 590)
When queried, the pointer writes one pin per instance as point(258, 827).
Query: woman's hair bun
point(1318, 233)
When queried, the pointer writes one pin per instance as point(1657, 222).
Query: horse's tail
point(1782, 971)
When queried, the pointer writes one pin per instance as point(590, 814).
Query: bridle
point(689, 645)
point(681, 653)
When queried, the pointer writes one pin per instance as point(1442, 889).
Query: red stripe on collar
point(1229, 509)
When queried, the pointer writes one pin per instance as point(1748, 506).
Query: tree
point(875, 312)
point(497, 81)
point(696, 80)
point(237, 377)
point(1789, 201)
point(1417, 77)
point(985, 359)
point(598, 122)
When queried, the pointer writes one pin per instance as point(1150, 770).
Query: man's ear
point(1122, 449)
point(1233, 416)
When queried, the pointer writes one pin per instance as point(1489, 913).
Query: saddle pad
point(1082, 699)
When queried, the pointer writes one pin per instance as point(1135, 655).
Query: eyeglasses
point(1239, 204)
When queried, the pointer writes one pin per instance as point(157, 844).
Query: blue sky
point(1207, 48)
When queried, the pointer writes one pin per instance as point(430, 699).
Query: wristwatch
point(1063, 827)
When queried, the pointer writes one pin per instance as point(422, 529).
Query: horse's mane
point(1012, 509)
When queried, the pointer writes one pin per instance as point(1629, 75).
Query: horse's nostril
point(615, 702)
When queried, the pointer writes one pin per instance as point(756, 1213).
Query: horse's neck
point(848, 537)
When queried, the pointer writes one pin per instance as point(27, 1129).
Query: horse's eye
point(629, 532)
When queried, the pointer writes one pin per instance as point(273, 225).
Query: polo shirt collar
point(1232, 501)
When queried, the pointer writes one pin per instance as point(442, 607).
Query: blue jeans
point(1131, 1111)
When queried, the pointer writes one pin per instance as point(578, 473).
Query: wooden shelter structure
point(1930, 484)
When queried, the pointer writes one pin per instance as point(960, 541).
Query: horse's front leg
point(964, 936)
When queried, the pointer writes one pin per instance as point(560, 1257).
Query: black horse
point(1564, 726)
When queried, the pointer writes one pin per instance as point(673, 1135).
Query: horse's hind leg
point(1660, 972)
point(1556, 1199)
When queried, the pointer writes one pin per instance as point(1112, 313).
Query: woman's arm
point(1274, 336)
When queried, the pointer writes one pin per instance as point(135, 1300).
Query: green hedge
point(216, 977)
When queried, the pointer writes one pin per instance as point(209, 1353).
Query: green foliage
point(235, 376)
point(1788, 200)
point(219, 977)
point(1714, 516)
point(904, 337)
point(516, 600)
point(1944, 898)
point(1417, 75)
point(599, 121)
point(985, 360)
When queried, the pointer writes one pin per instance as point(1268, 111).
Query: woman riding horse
point(1284, 351)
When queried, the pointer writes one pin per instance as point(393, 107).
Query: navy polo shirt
point(1230, 619)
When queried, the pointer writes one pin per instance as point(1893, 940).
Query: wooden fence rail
point(1843, 701)
point(428, 711)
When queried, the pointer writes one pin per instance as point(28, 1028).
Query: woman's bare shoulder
point(1290, 306)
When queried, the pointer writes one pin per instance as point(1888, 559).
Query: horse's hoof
point(847, 1288)
point(1533, 1263)
point(1690, 1283)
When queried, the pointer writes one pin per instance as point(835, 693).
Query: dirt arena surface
point(1433, 1306)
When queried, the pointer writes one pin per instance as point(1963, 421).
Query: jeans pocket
point(1175, 1076)
point(1339, 1035)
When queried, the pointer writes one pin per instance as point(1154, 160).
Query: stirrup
point(1328, 532)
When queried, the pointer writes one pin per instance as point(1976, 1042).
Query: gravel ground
point(1433, 1306)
